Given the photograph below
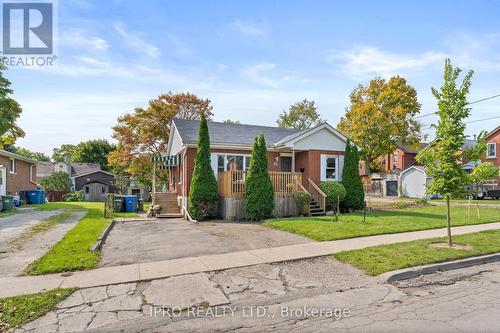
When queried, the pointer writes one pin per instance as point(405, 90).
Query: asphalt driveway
point(146, 241)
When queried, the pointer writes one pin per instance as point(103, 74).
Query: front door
point(3, 181)
point(286, 163)
point(391, 188)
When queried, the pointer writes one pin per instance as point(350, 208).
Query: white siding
point(413, 183)
point(321, 140)
point(176, 144)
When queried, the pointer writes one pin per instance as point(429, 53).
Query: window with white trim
point(491, 150)
point(329, 167)
point(12, 168)
point(238, 162)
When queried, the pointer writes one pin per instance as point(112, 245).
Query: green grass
point(384, 258)
point(73, 251)
point(18, 310)
point(323, 228)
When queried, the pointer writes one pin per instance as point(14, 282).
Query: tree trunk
point(448, 221)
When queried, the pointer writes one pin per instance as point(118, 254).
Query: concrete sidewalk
point(12, 286)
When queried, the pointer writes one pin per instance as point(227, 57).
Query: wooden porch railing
point(232, 183)
point(316, 194)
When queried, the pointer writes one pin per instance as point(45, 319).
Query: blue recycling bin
point(131, 203)
point(36, 197)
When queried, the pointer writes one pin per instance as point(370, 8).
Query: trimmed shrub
point(302, 199)
point(203, 190)
point(73, 196)
point(259, 192)
point(355, 196)
point(335, 194)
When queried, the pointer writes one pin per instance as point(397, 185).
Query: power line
point(484, 99)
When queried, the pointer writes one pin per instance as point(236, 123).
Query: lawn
point(323, 228)
point(73, 251)
point(384, 258)
point(18, 310)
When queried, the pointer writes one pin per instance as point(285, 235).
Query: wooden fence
point(231, 184)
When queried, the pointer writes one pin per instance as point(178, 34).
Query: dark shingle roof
point(230, 134)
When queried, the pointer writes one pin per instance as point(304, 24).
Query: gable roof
point(83, 168)
point(16, 156)
point(92, 172)
point(305, 133)
point(230, 134)
point(493, 131)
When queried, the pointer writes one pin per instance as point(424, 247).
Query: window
point(103, 189)
point(328, 168)
point(491, 150)
point(331, 163)
point(395, 158)
point(87, 189)
point(239, 162)
point(12, 168)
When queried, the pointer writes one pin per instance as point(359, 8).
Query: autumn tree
point(443, 157)
point(10, 111)
point(301, 115)
point(145, 131)
point(381, 116)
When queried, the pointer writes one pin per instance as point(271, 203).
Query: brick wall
point(310, 161)
point(21, 179)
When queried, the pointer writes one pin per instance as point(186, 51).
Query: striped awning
point(168, 160)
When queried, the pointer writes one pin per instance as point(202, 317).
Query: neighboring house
point(493, 147)
point(17, 173)
point(95, 185)
point(402, 158)
point(296, 158)
point(88, 177)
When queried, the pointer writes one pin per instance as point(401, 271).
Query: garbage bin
point(36, 197)
point(118, 205)
point(131, 203)
point(140, 205)
point(7, 202)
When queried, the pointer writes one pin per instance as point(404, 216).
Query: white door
point(3, 181)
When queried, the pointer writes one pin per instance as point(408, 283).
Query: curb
point(405, 274)
point(100, 242)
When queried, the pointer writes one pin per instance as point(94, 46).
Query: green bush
point(355, 196)
point(203, 191)
point(73, 196)
point(335, 194)
point(259, 192)
point(302, 199)
point(58, 182)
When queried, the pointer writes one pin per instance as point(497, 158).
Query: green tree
point(94, 151)
point(259, 192)
point(355, 196)
point(301, 115)
point(381, 116)
point(10, 111)
point(58, 181)
point(203, 189)
point(444, 155)
point(65, 153)
point(37, 156)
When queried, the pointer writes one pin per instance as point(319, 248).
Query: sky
point(252, 59)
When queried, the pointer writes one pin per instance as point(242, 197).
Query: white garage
point(413, 182)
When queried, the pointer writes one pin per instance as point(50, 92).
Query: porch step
point(320, 213)
point(168, 203)
point(169, 216)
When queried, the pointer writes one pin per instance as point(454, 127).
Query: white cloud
point(268, 74)
point(81, 38)
point(250, 29)
point(368, 61)
point(136, 41)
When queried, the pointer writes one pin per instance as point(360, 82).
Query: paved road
point(282, 298)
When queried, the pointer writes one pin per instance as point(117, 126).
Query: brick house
point(493, 147)
point(402, 158)
point(297, 160)
point(17, 173)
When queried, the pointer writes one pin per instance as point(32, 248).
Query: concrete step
point(169, 216)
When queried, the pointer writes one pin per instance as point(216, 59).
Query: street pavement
point(312, 295)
